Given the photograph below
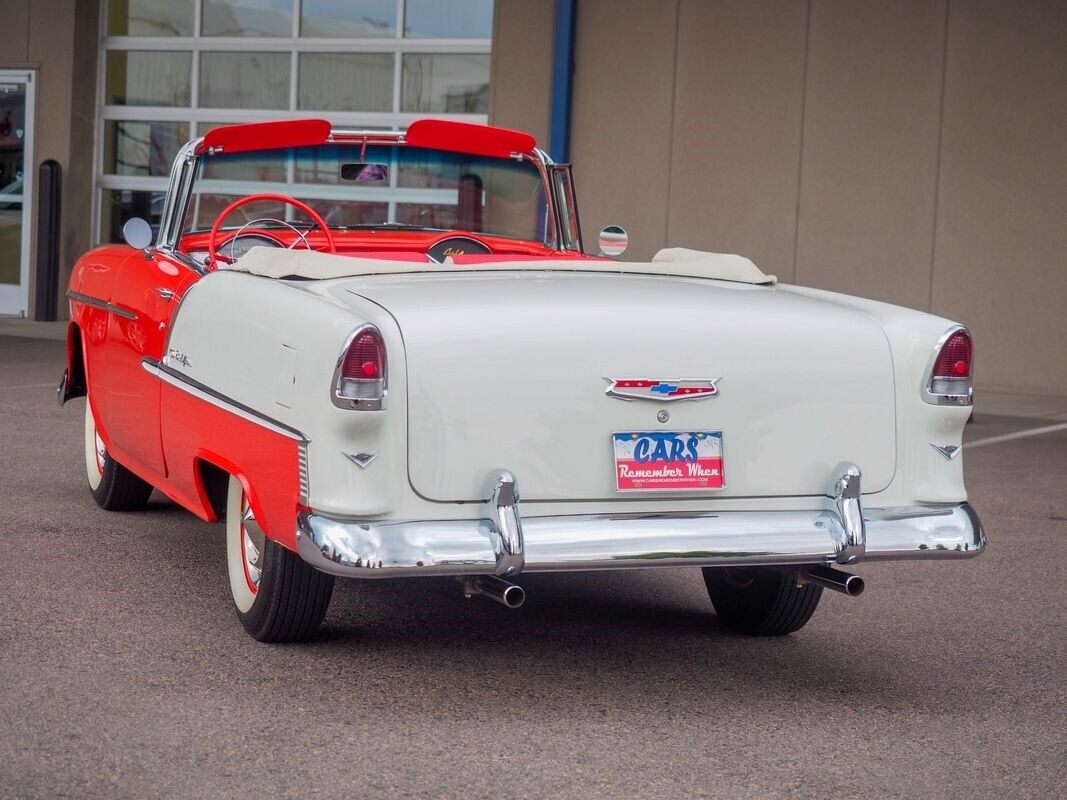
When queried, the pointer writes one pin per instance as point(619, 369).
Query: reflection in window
point(244, 80)
point(456, 19)
point(138, 78)
point(346, 82)
point(251, 167)
point(445, 84)
point(150, 18)
point(142, 148)
point(427, 215)
point(248, 18)
point(348, 18)
point(206, 208)
point(120, 205)
point(346, 213)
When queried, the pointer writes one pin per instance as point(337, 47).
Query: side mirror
point(613, 241)
point(137, 233)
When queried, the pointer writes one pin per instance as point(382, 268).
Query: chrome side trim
point(87, 299)
point(501, 513)
point(844, 493)
point(928, 375)
point(209, 395)
point(386, 549)
point(96, 302)
point(120, 311)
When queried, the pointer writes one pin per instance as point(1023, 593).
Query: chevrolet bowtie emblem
point(662, 389)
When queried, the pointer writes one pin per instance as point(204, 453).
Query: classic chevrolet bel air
point(389, 354)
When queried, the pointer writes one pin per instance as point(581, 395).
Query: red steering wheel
point(212, 251)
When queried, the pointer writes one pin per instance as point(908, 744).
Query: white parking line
point(30, 386)
point(1007, 437)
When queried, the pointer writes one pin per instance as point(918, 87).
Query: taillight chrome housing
point(360, 379)
point(947, 381)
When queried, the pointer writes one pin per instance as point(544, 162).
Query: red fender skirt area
point(265, 461)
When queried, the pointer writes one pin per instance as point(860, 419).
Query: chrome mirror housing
point(137, 233)
point(613, 241)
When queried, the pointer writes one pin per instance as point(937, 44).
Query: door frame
point(15, 298)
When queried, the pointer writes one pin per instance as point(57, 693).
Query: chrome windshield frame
point(184, 169)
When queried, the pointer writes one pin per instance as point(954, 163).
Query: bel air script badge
point(662, 389)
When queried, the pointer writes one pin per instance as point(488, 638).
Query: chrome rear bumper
point(501, 542)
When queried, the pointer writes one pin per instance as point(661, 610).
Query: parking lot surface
point(124, 672)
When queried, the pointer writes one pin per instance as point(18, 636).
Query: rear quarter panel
point(923, 475)
point(272, 348)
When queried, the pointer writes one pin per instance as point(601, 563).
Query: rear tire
point(277, 595)
point(760, 601)
point(113, 486)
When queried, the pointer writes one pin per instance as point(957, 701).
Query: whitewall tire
point(277, 595)
point(113, 486)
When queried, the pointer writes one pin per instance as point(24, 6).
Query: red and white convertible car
point(388, 354)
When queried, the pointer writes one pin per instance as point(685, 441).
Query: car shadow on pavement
point(650, 636)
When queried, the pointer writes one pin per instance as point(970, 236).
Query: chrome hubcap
point(251, 547)
point(101, 454)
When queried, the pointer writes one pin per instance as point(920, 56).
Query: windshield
point(380, 185)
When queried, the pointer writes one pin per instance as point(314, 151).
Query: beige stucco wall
point(59, 39)
point(913, 152)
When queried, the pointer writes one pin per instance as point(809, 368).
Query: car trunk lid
point(510, 370)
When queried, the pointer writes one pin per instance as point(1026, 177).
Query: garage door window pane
point(120, 205)
point(150, 18)
point(348, 18)
point(136, 78)
point(248, 18)
point(142, 148)
point(346, 82)
point(456, 19)
point(445, 84)
point(244, 80)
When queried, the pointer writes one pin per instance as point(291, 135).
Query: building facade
point(912, 152)
point(117, 86)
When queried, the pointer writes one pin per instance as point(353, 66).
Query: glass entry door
point(16, 185)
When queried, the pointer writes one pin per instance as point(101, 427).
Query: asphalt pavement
point(124, 672)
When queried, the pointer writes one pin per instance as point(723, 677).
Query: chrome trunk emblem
point(662, 390)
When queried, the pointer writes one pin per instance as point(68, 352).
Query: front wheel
point(760, 601)
point(114, 487)
point(278, 596)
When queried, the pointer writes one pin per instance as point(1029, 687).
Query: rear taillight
point(948, 381)
point(360, 376)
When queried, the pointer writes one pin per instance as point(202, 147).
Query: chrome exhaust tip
point(504, 592)
point(830, 578)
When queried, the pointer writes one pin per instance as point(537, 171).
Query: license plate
point(668, 461)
